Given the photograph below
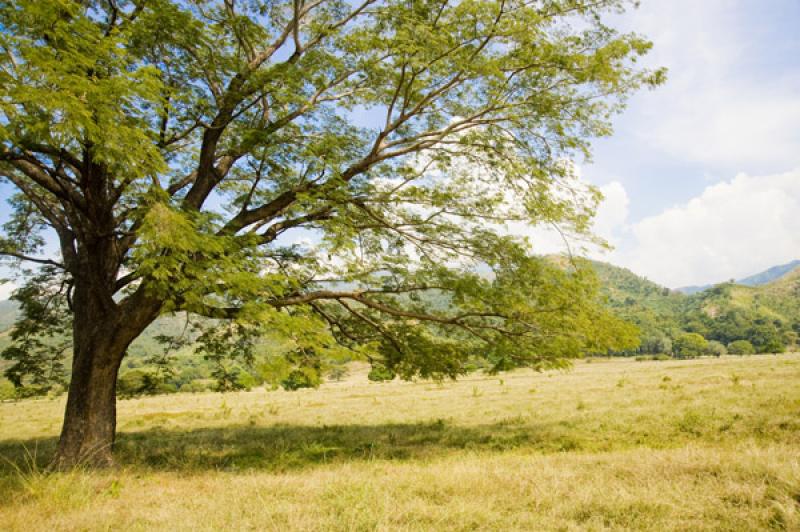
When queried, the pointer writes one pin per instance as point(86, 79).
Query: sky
point(702, 175)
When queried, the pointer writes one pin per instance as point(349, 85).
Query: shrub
point(143, 382)
point(660, 356)
point(301, 378)
point(131, 383)
point(57, 390)
point(716, 349)
point(198, 385)
point(690, 345)
point(246, 381)
point(164, 388)
point(656, 345)
point(380, 374)
point(766, 338)
point(741, 347)
point(7, 390)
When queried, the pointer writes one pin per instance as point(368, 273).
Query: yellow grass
point(682, 445)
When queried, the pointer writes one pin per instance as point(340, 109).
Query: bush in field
point(655, 345)
point(164, 388)
point(690, 345)
point(246, 381)
point(7, 390)
point(301, 378)
point(143, 381)
point(198, 385)
point(380, 374)
point(716, 349)
point(790, 339)
point(766, 338)
point(741, 347)
point(131, 383)
point(659, 357)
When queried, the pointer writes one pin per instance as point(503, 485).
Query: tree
point(168, 147)
point(715, 348)
point(656, 345)
point(690, 345)
point(741, 347)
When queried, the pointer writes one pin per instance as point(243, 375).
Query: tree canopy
point(176, 150)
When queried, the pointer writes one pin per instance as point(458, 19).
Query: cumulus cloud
point(733, 229)
point(612, 214)
point(731, 100)
point(6, 289)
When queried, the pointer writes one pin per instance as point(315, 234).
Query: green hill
point(767, 315)
point(656, 310)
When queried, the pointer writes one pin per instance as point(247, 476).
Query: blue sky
point(702, 176)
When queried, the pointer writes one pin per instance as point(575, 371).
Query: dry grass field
point(710, 444)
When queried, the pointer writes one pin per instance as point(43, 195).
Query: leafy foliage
point(741, 347)
point(171, 147)
point(40, 338)
point(380, 373)
point(690, 345)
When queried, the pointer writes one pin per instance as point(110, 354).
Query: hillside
point(766, 315)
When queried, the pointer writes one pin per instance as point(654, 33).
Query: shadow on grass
point(291, 447)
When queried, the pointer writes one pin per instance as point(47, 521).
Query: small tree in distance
point(690, 345)
point(741, 347)
point(169, 147)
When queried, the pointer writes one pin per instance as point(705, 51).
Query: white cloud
point(727, 102)
point(733, 229)
point(609, 222)
point(6, 289)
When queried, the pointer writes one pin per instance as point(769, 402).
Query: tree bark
point(102, 330)
point(90, 419)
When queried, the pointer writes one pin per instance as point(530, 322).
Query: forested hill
point(767, 315)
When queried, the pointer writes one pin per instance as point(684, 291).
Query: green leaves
point(339, 173)
point(40, 340)
point(70, 85)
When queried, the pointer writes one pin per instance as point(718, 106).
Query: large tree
point(169, 146)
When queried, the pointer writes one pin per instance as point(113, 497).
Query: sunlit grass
point(612, 444)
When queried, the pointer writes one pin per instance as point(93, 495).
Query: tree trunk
point(102, 330)
point(103, 323)
point(90, 419)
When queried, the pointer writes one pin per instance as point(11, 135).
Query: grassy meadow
point(708, 444)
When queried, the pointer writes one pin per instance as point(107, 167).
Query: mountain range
point(762, 278)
